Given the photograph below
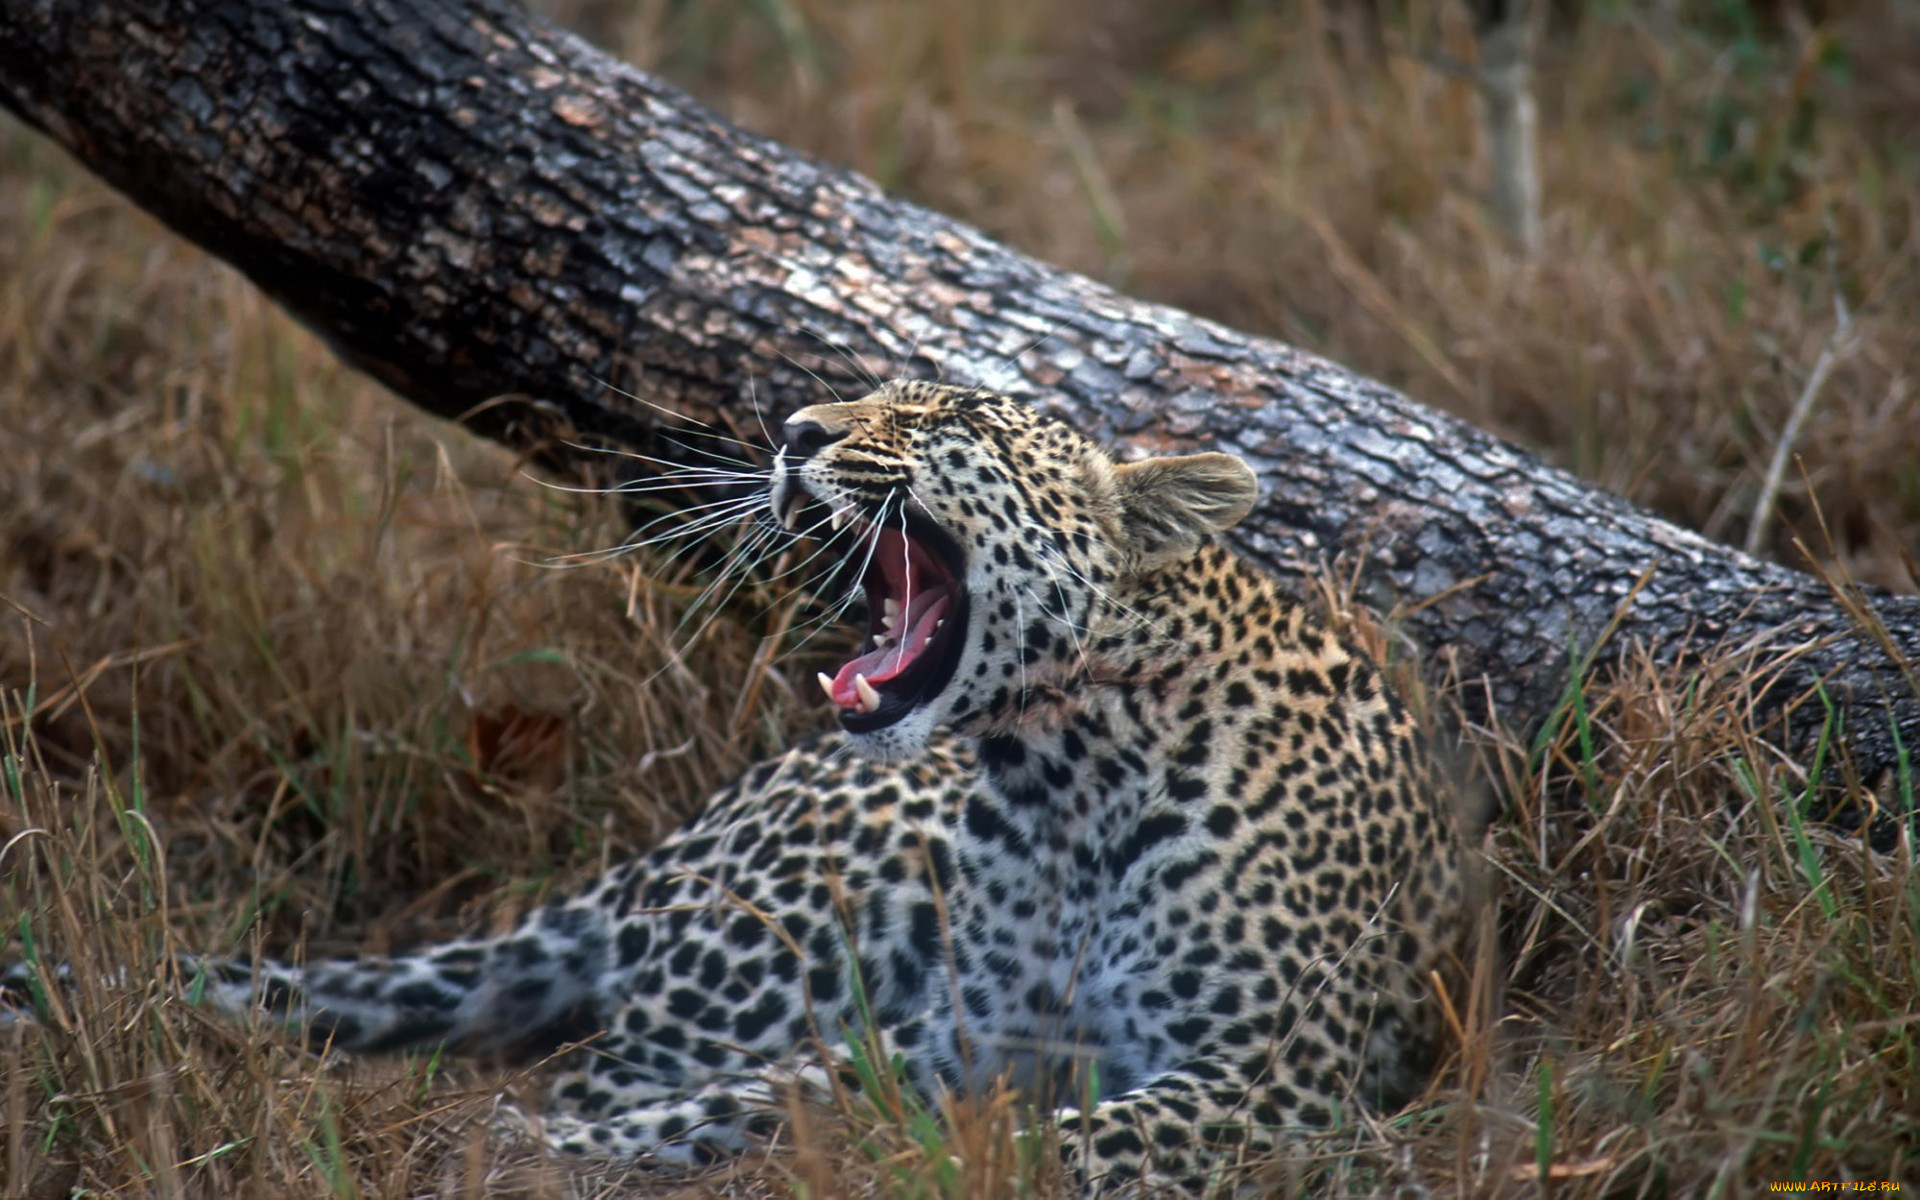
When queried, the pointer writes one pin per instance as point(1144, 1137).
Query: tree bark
point(468, 202)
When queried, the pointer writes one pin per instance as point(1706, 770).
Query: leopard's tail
point(477, 994)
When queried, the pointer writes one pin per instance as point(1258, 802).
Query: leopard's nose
point(804, 439)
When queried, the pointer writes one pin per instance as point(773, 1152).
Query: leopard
point(1110, 817)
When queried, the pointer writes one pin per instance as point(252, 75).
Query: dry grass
point(283, 663)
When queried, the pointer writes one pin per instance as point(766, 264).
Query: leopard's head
point(996, 546)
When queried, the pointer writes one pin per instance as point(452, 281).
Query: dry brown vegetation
point(287, 664)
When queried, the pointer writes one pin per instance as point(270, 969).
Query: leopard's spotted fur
point(1132, 809)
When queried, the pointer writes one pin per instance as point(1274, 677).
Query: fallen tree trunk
point(468, 202)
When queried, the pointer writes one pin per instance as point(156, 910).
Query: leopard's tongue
point(925, 610)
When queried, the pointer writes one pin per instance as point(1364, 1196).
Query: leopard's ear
point(1168, 506)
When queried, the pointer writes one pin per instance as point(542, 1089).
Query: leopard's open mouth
point(916, 620)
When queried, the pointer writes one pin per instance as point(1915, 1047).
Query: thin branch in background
point(1839, 345)
point(1109, 217)
point(1509, 116)
point(1502, 81)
